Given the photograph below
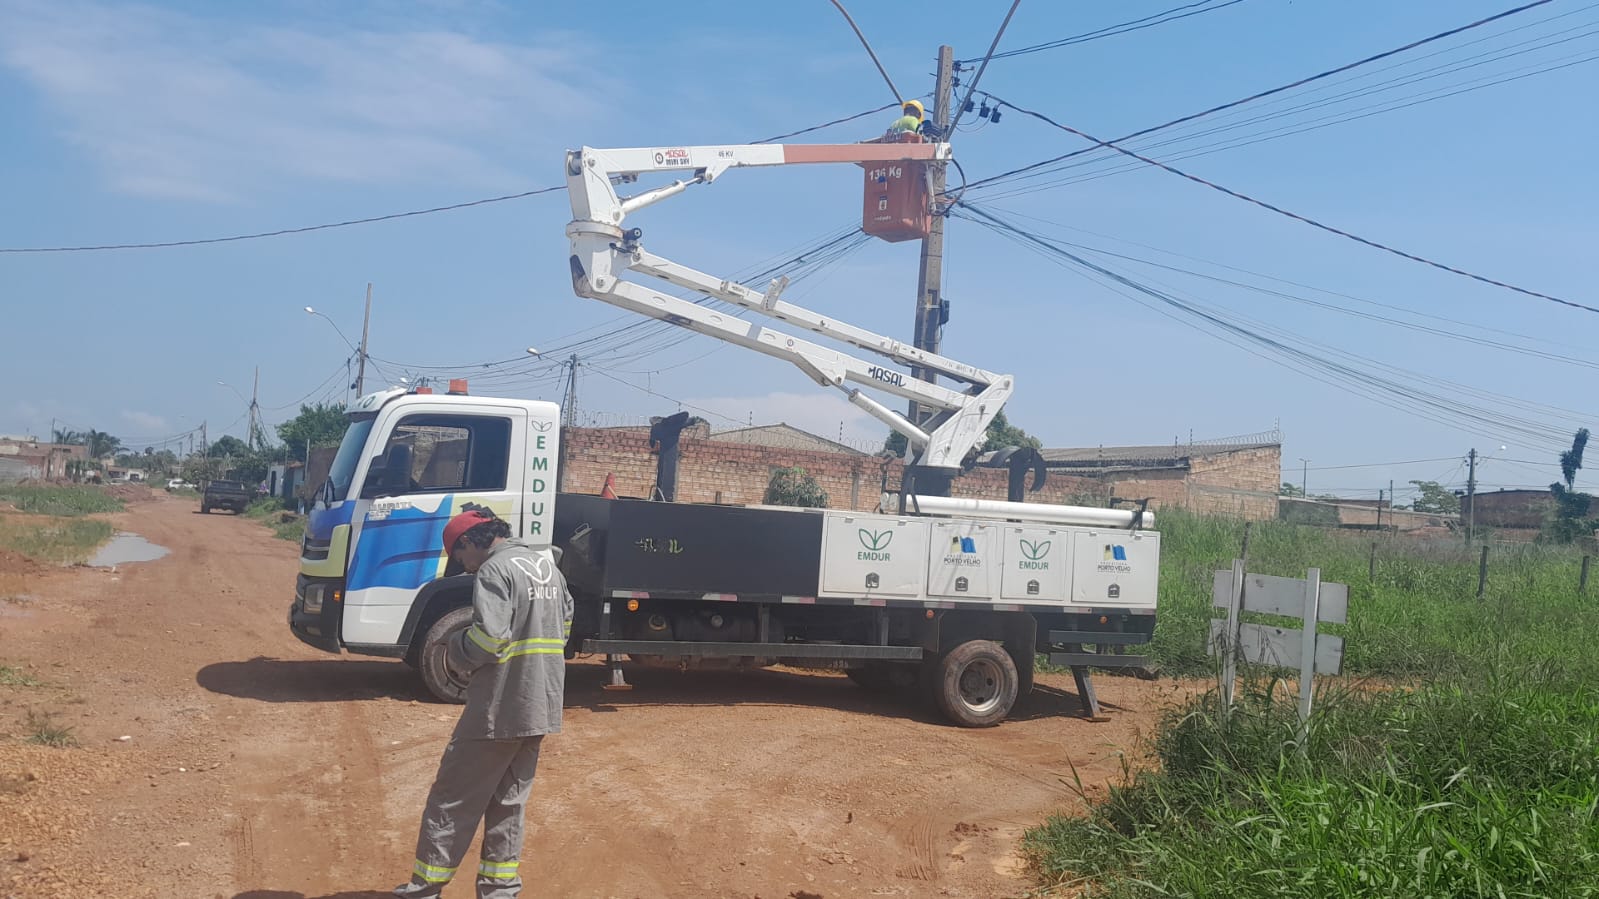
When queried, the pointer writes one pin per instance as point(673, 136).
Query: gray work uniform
point(513, 654)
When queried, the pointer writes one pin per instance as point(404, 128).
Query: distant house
point(26, 459)
point(1514, 509)
point(284, 480)
point(783, 436)
point(1237, 476)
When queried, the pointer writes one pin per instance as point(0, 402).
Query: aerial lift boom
point(603, 250)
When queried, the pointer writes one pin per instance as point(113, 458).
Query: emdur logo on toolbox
point(1033, 556)
point(876, 545)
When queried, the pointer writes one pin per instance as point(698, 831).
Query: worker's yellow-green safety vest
point(906, 123)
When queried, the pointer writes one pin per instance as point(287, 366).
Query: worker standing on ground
point(513, 658)
point(911, 120)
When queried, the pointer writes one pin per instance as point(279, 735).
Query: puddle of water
point(124, 548)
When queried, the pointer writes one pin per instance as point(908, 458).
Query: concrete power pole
point(569, 407)
point(366, 320)
point(1471, 494)
point(929, 280)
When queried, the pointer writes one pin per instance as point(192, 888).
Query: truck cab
point(373, 573)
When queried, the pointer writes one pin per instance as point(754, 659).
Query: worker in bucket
point(911, 120)
point(512, 657)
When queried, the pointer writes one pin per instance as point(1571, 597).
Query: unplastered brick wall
point(714, 471)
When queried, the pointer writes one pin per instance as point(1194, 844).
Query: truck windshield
point(349, 455)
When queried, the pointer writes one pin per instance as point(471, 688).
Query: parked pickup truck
point(225, 495)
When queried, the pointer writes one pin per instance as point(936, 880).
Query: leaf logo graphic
point(1035, 552)
point(875, 541)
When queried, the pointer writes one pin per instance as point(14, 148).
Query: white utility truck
point(955, 597)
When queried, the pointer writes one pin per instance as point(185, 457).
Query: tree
point(99, 444)
point(1435, 498)
point(795, 487)
point(1000, 434)
point(228, 445)
point(1288, 489)
point(322, 425)
point(1571, 507)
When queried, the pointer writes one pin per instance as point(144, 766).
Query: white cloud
point(174, 105)
point(822, 414)
point(149, 425)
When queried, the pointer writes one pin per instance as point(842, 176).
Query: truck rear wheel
point(436, 674)
point(975, 684)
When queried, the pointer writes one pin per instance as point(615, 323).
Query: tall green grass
point(62, 500)
point(1418, 614)
point(1478, 777)
point(270, 511)
point(62, 541)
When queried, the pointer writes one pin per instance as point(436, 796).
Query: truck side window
point(454, 452)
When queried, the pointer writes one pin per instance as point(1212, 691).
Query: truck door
point(431, 462)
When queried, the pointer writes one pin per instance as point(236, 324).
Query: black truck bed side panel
point(680, 548)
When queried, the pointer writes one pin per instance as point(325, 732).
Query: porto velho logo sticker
point(876, 545)
point(1033, 556)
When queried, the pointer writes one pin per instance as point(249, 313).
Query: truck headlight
point(312, 603)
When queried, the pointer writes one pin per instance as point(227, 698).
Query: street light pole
point(366, 319)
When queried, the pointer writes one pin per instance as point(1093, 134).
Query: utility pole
point(1471, 494)
point(929, 281)
point(1393, 523)
point(569, 408)
point(205, 445)
point(366, 320)
point(1304, 478)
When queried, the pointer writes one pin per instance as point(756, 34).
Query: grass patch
point(59, 500)
point(16, 677)
point(285, 523)
point(1418, 613)
point(63, 541)
point(1481, 780)
point(44, 731)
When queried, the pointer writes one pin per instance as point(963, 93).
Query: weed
point(286, 524)
point(59, 500)
point(44, 731)
point(56, 540)
point(16, 677)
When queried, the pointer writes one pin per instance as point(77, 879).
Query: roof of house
point(1164, 456)
point(785, 436)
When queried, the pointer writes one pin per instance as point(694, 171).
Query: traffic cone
point(609, 490)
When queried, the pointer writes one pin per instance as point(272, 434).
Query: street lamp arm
point(324, 315)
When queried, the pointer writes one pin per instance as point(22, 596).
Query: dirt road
point(257, 768)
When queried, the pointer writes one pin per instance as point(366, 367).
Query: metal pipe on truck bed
point(1087, 516)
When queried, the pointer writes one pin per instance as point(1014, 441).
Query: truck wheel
point(205, 509)
point(976, 684)
point(435, 673)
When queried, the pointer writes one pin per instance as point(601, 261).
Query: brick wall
point(715, 471)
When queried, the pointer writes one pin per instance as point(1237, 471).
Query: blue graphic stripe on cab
point(401, 550)
point(321, 522)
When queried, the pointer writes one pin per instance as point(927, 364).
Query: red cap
point(459, 525)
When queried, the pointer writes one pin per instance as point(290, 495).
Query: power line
point(1150, 21)
point(284, 231)
point(1300, 218)
point(1275, 90)
point(372, 219)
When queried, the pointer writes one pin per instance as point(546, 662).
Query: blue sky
point(136, 123)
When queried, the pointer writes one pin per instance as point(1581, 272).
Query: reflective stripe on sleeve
point(484, 641)
point(432, 873)
point(498, 870)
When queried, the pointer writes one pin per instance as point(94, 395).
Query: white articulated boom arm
point(602, 250)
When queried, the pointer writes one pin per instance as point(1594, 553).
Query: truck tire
point(975, 684)
point(430, 663)
point(205, 509)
